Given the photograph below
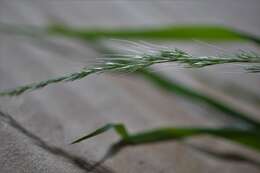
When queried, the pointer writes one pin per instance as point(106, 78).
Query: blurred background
point(60, 113)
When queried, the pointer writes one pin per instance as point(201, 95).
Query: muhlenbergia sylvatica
point(136, 61)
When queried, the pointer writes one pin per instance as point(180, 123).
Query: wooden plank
point(60, 113)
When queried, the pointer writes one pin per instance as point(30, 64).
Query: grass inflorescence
point(136, 62)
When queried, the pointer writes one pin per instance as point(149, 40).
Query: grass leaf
point(119, 128)
point(176, 32)
point(172, 86)
point(247, 137)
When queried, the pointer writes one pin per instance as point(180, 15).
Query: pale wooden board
point(60, 113)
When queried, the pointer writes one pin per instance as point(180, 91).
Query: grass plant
point(246, 132)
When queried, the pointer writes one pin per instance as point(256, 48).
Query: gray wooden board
point(60, 113)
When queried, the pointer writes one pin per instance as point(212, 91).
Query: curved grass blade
point(177, 32)
point(171, 86)
point(226, 156)
point(246, 137)
point(253, 69)
point(119, 128)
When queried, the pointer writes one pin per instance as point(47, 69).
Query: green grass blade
point(171, 86)
point(246, 137)
point(119, 128)
point(177, 32)
point(204, 32)
point(249, 138)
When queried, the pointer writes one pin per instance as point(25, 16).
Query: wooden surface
point(60, 113)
